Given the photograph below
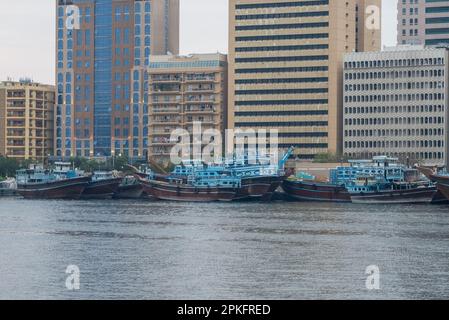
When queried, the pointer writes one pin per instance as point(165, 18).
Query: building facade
point(184, 90)
point(26, 120)
point(103, 50)
point(285, 66)
point(423, 22)
point(396, 103)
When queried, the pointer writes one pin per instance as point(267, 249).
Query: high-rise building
point(423, 22)
point(101, 61)
point(26, 120)
point(184, 90)
point(396, 103)
point(285, 66)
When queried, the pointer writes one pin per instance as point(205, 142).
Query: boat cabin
point(102, 176)
point(381, 168)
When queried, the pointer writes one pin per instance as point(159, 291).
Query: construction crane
point(285, 158)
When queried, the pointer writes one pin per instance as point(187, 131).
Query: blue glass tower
point(103, 49)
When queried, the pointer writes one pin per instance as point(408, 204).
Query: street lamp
point(113, 159)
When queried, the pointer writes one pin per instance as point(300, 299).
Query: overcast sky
point(27, 33)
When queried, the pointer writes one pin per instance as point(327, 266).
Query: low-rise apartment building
point(26, 120)
point(184, 90)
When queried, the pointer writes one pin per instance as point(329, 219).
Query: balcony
point(200, 98)
point(16, 94)
point(173, 123)
point(203, 122)
point(15, 124)
point(165, 88)
point(16, 104)
point(37, 95)
point(167, 101)
point(163, 141)
point(165, 111)
point(15, 114)
point(200, 88)
point(15, 153)
point(200, 77)
point(199, 109)
point(15, 133)
point(162, 132)
point(16, 144)
point(166, 78)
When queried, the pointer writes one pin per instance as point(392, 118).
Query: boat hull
point(410, 196)
point(258, 188)
point(308, 191)
point(444, 189)
point(104, 189)
point(69, 189)
point(8, 192)
point(442, 183)
point(132, 191)
point(439, 198)
point(184, 193)
point(147, 191)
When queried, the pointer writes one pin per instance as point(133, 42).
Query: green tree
point(120, 163)
point(9, 166)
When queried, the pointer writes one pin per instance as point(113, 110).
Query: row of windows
point(282, 59)
point(302, 134)
point(283, 26)
point(393, 144)
point(281, 124)
point(412, 22)
point(394, 86)
point(437, 20)
point(394, 121)
point(284, 37)
point(444, 31)
point(413, 62)
point(410, 155)
point(394, 133)
point(281, 91)
point(412, 74)
point(282, 15)
point(87, 152)
point(281, 113)
point(395, 97)
point(283, 48)
point(412, 11)
point(118, 133)
point(394, 109)
point(388, 144)
point(304, 146)
point(412, 32)
point(435, 42)
point(68, 143)
point(283, 69)
point(282, 4)
point(282, 80)
point(281, 102)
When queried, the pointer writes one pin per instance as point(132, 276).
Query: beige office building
point(396, 104)
point(423, 22)
point(26, 120)
point(286, 62)
point(184, 90)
